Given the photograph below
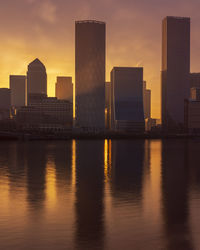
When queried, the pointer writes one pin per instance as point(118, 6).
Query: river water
point(120, 194)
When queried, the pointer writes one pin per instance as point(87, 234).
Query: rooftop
point(36, 63)
point(89, 21)
point(127, 68)
point(177, 17)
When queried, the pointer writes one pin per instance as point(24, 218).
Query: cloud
point(44, 10)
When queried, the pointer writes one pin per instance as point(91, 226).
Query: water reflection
point(175, 189)
point(100, 194)
point(89, 195)
point(36, 160)
point(127, 169)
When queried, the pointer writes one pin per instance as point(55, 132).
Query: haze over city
point(45, 29)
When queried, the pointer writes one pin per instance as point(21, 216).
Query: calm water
point(100, 195)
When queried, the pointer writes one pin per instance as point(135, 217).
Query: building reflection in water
point(89, 203)
point(36, 175)
point(62, 153)
point(152, 181)
point(100, 194)
point(127, 169)
point(175, 194)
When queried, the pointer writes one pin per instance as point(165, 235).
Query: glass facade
point(90, 74)
point(175, 70)
point(127, 98)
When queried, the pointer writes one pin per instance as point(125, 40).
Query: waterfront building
point(195, 93)
point(127, 99)
point(64, 88)
point(36, 78)
point(146, 101)
point(45, 113)
point(90, 46)
point(175, 71)
point(194, 80)
point(192, 116)
point(18, 90)
point(5, 103)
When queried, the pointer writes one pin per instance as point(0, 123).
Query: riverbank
point(90, 136)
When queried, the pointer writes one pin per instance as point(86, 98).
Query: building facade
point(175, 71)
point(90, 46)
point(108, 96)
point(194, 80)
point(64, 88)
point(127, 99)
point(18, 90)
point(146, 101)
point(192, 116)
point(36, 78)
point(5, 103)
point(195, 93)
point(45, 112)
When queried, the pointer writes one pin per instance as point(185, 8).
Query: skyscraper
point(127, 99)
point(64, 88)
point(36, 78)
point(90, 74)
point(18, 90)
point(175, 70)
point(146, 101)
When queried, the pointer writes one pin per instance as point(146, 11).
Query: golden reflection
point(4, 191)
point(73, 163)
point(74, 101)
point(107, 159)
point(110, 153)
point(152, 178)
point(51, 183)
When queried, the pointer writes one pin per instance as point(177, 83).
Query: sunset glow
point(45, 29)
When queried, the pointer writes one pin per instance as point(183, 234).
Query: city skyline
point(129, 42)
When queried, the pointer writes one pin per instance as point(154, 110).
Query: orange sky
point(45, 29)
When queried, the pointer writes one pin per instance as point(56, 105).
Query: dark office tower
point(36, 78)
point(18, 90)
point(127, 112)
point(175, 71)
point(5, 103)
point(64, 88)
point(90, 74)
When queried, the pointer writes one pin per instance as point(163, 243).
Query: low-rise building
point(195, 93)
point(192, 116)
point(5, 103)
point(45, 113)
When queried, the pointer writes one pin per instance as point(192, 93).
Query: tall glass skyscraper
point(36, 78)
point(127, 111)
point(90, 74)
point(175, 70)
